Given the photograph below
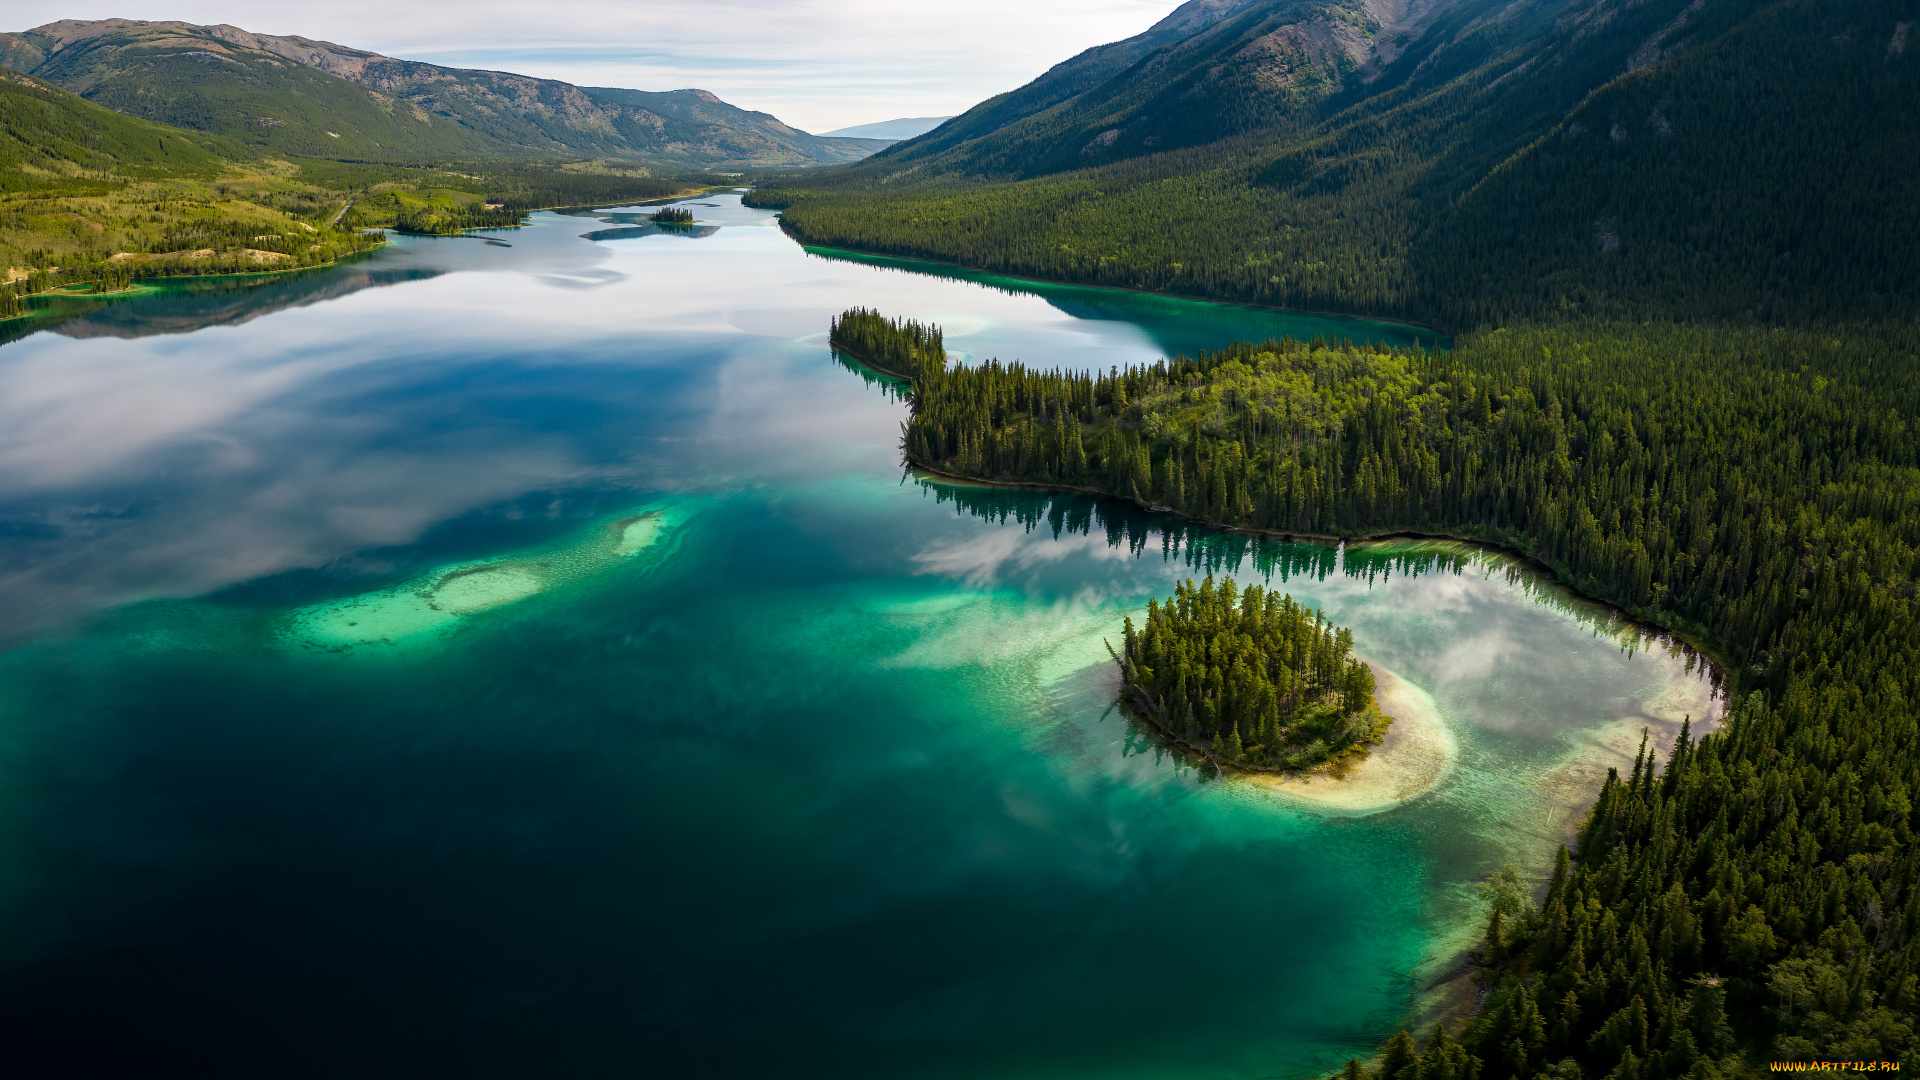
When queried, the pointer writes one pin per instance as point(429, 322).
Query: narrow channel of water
point(524, 655)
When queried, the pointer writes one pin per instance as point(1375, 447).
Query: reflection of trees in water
point(1168, 320)
point(636, 225)
point(183, 305)
point(1212, 551)
point(894, 389)
point(691, 232)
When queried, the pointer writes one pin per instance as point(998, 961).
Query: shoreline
point(1567, 792)
point(812, 247)
point(1416, 754)
point(868, 364)
point(475, 230)
point(139, 286)
point(135, 286)
point(1449, 994)
point(1710, 653)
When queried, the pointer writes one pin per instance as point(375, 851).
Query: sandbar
point(430, 606)
point(1418, 752)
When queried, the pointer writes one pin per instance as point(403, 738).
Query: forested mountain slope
point(49, 134)
point(1211, 69)
point(1457, 164)
point(300, 96)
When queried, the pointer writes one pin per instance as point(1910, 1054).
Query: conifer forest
point(1253, 677)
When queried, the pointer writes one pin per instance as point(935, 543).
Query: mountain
point(93, 199)
point(1459, 162)
point(52, 141)
point(894, 130)
point(696, 123)
point(295, 95)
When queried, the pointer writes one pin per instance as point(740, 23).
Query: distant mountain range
point(904, 128)
point(300, 96)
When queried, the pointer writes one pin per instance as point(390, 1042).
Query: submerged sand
point(1417, 753)
point(1571, 787)
point(1563, 794)
point(429, 607)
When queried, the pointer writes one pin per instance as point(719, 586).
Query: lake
point(524, 655)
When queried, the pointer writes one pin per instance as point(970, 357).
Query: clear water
point(524, 656)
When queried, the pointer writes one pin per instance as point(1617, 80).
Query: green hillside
point(691, 127)
point(91, 200)
point(1524, 161)
point(49, 138)
point(294, 95)
point(190, 79)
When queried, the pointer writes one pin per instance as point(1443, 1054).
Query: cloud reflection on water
point(174, 444)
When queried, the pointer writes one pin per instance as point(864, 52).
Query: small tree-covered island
point(1249, 678)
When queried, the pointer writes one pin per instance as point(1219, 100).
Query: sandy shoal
point(1418, 752)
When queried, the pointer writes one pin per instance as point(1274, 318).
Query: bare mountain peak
point(1195, 16)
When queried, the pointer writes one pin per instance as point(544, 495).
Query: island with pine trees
point(1249, 679)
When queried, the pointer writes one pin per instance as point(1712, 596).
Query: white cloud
point(817, 64)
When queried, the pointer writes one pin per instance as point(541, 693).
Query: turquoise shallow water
point(524, 656)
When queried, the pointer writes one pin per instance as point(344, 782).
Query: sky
point(816, 64)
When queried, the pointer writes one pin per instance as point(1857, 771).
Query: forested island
point(1756, 490)
point(1251, 679)
point(672, 215)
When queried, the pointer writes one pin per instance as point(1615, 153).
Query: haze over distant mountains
point(904, 128)
point(290, 94)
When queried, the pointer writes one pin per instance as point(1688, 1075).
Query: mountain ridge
point(292, 94)
point(1590, 136)
point(905, 127)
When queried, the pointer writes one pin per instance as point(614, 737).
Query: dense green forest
point(1251, 678)
point(899, 347)
point(1756, 490)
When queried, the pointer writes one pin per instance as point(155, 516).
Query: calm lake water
point(524, 656)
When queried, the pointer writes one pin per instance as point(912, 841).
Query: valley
point(1375, 538)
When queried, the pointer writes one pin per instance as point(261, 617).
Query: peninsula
point(899, 347)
